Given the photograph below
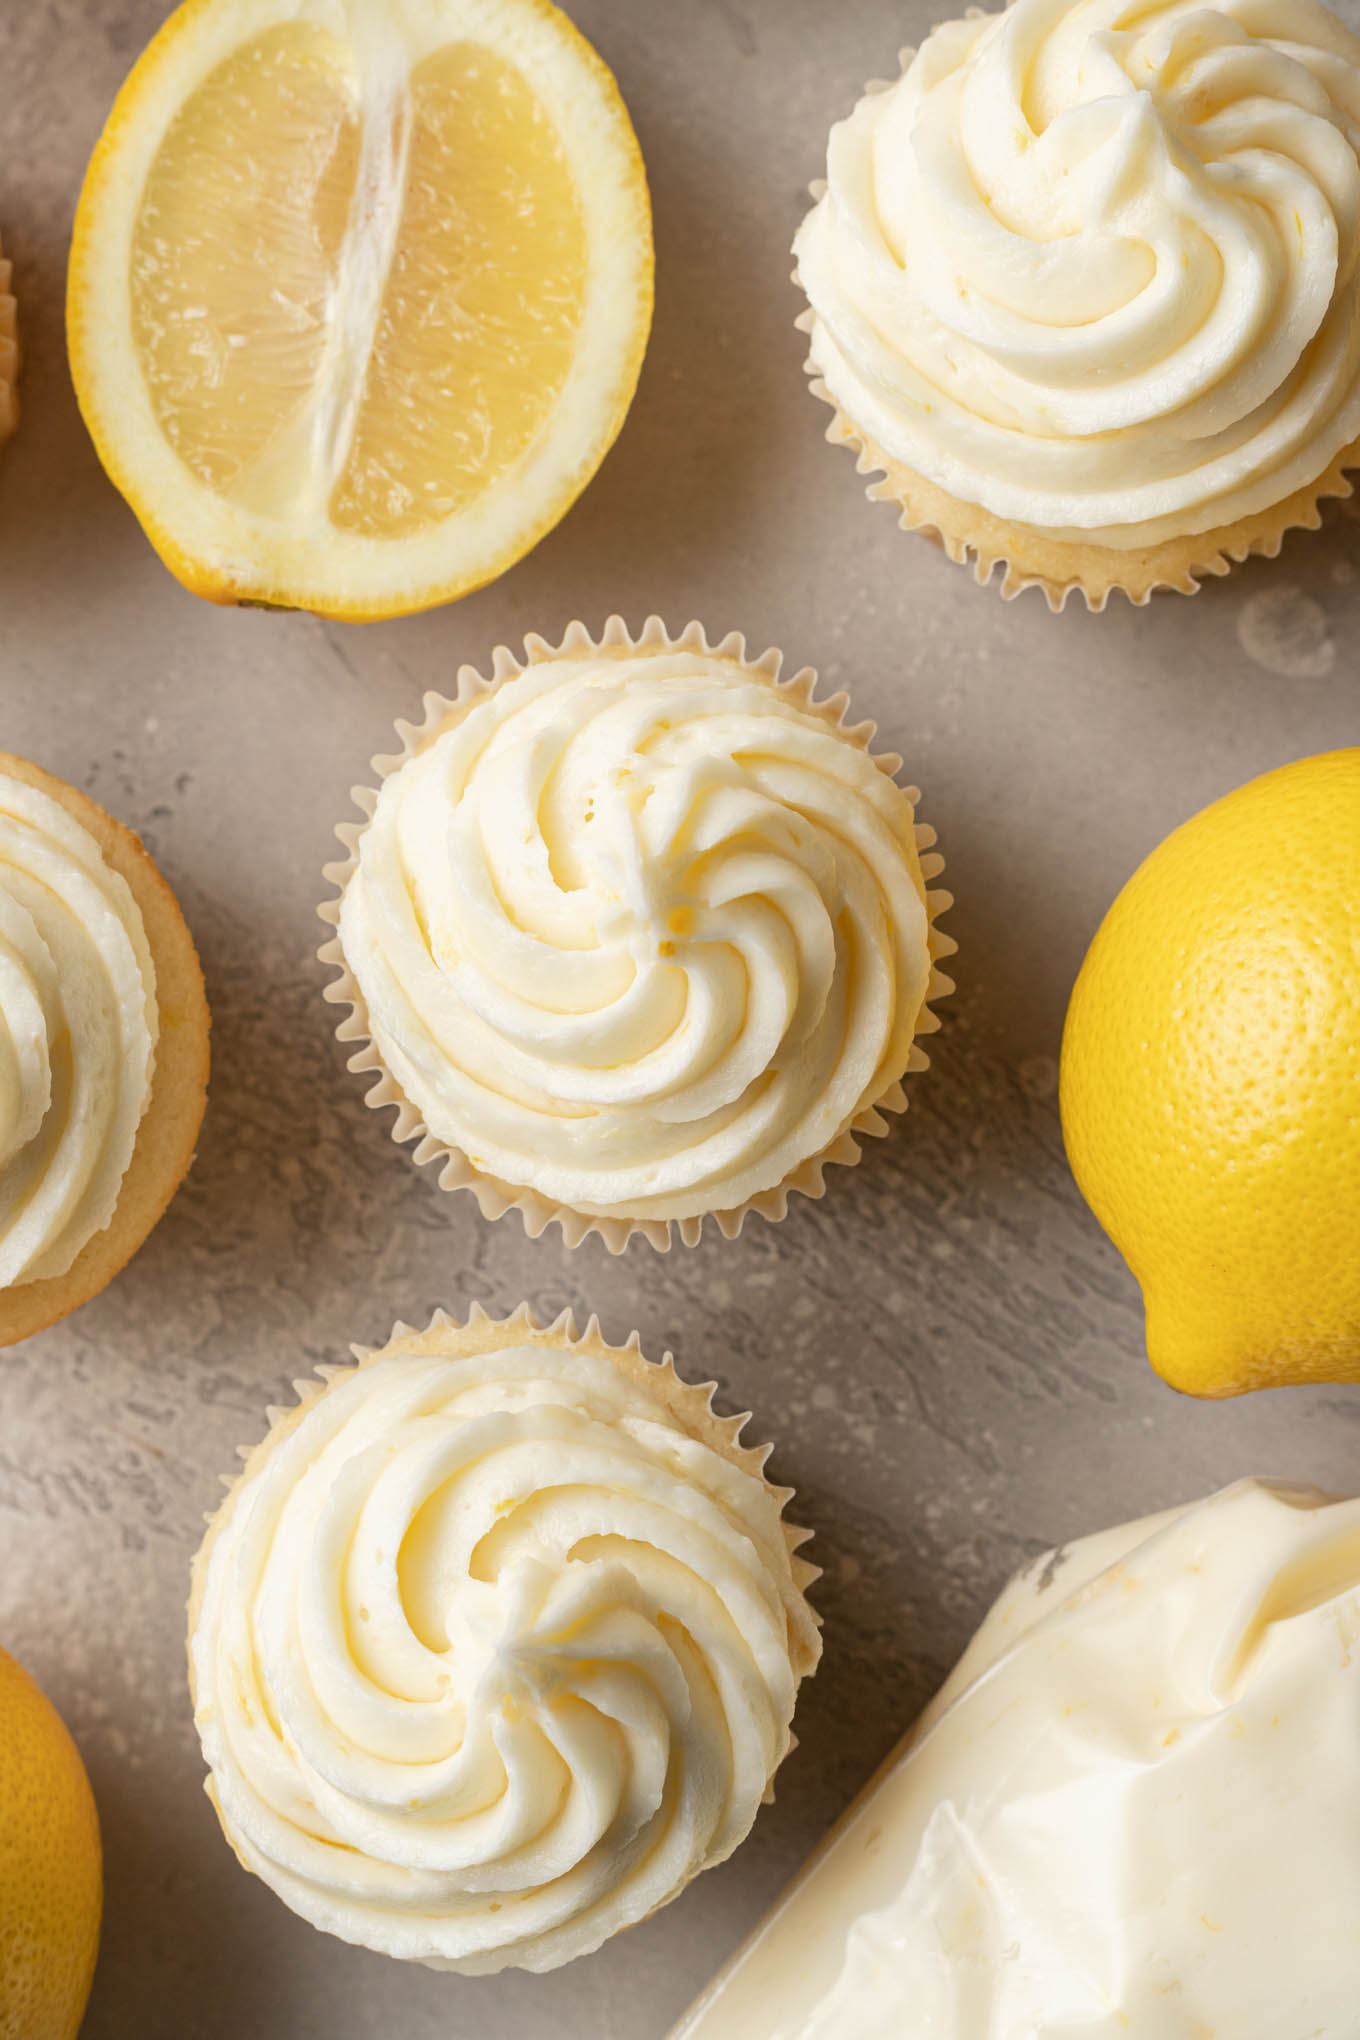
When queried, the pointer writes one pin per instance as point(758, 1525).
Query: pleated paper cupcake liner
point(456, 1171)
point(1029, 558)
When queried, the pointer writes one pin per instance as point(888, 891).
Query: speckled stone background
point(947, 1350)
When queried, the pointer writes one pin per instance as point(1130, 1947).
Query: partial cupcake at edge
point(103, 1047)
point(636, 933)
point(495, 1643)
point(1086, 296)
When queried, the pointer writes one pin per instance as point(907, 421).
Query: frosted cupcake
point(635, 934)
point(9, 353)
point(495, 1644)
point(103, 1047)
point(1083, 287)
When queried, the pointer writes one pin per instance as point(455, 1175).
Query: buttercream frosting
point(78, 1032)
point(641, 933)
point(1131, 1810)
point(491, 1652)
point(1095, 264)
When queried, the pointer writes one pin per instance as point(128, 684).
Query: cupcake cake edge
point(167, 1137)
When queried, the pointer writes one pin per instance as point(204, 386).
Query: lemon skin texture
point(51, 1880)
point(1210, 1084)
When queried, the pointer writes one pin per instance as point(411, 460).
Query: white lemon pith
point(359, 293)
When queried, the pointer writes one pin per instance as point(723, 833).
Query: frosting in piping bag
point(1093, 264)
point(1131, 1811)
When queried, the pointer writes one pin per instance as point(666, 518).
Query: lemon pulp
point(357, 303)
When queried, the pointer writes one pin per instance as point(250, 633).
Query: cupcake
point(1085, 294)
point(103, 1048)
point(495, 1644)
point(9, 353)
point(1130, 1812)
point(636, 933)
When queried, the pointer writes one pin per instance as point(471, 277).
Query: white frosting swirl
point(78, 1031)
point(491, 1655)
point(640, 933)
point(1093, 264)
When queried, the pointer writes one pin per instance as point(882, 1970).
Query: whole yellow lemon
point(1210, 1086)
point(51, 1883)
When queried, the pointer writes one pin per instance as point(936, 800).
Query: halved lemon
point(359, 293)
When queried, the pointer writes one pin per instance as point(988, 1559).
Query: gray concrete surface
point(947, 1350)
